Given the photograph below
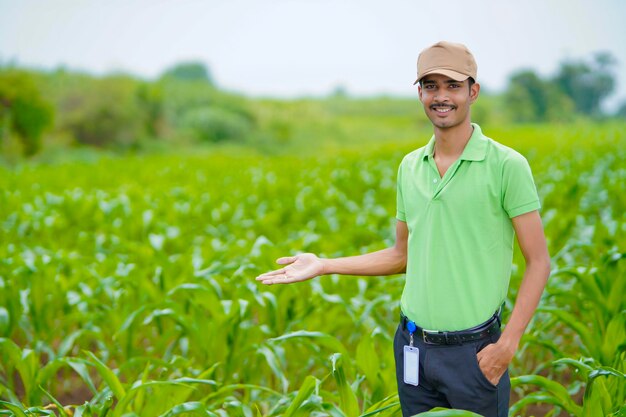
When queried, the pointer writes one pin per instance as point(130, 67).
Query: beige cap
point(453, 60)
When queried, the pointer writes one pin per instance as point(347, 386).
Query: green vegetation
point(578, 88)
point(130, 243)
point(51, 112)
point(118, 112)
point(127, 283)
point(23, 112)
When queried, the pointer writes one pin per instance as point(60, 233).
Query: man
point(460, 201)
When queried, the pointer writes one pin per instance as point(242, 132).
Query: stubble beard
point(446, 123)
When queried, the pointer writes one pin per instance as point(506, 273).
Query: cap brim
point(456, 76)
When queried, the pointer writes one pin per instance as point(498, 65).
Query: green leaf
point(305, 391)
point(580, 366)
point(534, 398)
point(17, 410)
point(619, 413)
point(5, 321)
point(54, 400)
point(80, 367)
point(380, 409)
point(106, 406)
point(227, 389)
point(272, 361)
point(27, 368)
point(108, 376)
point(330, 342)
point(615, 300)
point(592, 406)
point(189, 407)
point(614, 335)
point(368, 360)
point(588, 340)
point(606, 371)
point(140, 398)
point(140, 386)
point(348, 401)
point(384, 404)
point(556, 390)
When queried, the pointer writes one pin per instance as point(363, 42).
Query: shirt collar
point(475, 149)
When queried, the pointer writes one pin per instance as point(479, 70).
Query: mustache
point(442, 105)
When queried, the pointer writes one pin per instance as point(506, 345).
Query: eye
point(455, 85)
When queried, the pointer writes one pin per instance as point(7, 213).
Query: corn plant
point(127, 283)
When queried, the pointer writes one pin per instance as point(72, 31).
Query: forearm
point(388, 261)
point(533, 284)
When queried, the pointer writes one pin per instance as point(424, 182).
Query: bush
point(179, 98)
point(212, 124)
point(23, 111)
point(104, 112)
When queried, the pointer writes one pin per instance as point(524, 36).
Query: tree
point(531, 99)
point(189, 71)
point(23, 111)
point(587, 84)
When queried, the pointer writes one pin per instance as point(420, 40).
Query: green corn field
point(127, 283)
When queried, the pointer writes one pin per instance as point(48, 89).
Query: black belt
point(433, 337)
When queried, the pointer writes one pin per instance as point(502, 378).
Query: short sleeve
point(519, 194)
point(400, 215)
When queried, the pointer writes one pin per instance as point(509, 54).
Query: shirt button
point(435, 180)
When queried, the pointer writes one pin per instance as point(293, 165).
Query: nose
point(440, 97)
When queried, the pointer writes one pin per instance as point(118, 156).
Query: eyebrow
point(446, 82)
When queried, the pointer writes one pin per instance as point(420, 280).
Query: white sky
point(295, 47)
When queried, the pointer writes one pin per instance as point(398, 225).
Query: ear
point(474, 91)
point(419, 91)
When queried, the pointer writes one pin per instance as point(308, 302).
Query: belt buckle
point(428, 333)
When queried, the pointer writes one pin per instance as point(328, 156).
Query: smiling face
point(446, 101)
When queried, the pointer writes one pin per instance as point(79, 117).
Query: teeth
point(443, 109)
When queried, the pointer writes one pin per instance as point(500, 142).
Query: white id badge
point(411, 365)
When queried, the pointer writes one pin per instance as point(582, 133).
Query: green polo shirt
point(460, 246)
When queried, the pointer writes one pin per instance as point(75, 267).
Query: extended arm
point(495, 358)
point(305, 266)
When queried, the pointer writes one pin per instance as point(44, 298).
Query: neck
point(451, 141)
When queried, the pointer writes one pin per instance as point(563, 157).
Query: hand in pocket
point(493, 361)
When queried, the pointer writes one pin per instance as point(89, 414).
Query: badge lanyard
point(411, 358)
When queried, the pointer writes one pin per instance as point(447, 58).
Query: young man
point(460, 201)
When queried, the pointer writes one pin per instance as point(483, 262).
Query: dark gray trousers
point(449, 376)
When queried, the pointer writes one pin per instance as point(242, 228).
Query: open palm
point(300, 268)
